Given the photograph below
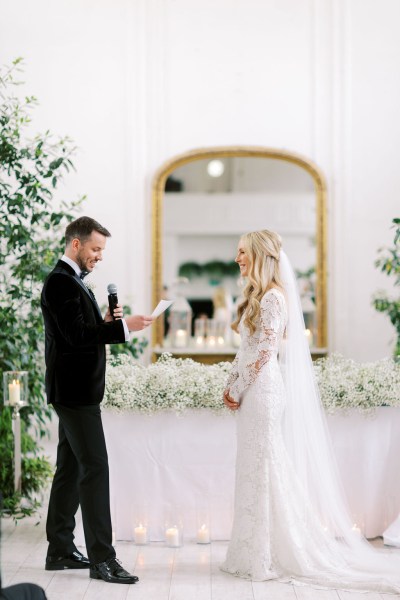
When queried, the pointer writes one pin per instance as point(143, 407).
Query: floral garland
point(181, 384)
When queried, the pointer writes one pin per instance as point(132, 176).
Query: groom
point(76, 334)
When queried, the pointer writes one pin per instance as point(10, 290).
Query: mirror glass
point(208, 204)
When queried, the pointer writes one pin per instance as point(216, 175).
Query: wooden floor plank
point(361, 596)
point(273, 589)
point(191, 573)
point(309, 593)
point(154, 566)
point(223, 585)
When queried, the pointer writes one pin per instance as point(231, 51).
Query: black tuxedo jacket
point(76, 335)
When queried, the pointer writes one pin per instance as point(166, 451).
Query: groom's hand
point(229, 401)
point(118, 313)
point(138, 322)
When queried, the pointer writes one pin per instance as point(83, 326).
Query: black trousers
point(81, 478)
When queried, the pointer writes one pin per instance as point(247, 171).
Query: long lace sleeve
point(271, 315)
point(234, 374)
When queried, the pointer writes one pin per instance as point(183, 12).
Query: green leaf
point(27, 253)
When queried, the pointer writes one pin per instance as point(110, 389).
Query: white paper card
point(161, 307)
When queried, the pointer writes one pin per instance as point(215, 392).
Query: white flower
point(89, 284)
point(345, 384)
point(181, 384)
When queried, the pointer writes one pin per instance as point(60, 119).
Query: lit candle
point(221, 341)
point(309, 336)
point(180, 338)
point(140, 535)
point(356, 530)
point(14, 392)
point(200, 341)
point(172, 537)
point(211, 341)
point(203, 535)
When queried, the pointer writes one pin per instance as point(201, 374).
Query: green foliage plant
point(190, 269)
point(134, 348)
point(214, 269)
point(389, 263)
point(32, 223)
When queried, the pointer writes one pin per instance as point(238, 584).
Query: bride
point(291, 522)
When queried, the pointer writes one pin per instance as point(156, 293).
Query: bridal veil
point(308, 444)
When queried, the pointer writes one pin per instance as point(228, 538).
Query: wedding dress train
point(279, 531)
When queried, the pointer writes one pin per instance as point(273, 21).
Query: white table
point(169, 468)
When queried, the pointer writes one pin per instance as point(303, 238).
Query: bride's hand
point(230, 402)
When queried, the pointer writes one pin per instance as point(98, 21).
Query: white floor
point(187, 573)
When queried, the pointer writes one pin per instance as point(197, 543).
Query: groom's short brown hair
point(82, 228)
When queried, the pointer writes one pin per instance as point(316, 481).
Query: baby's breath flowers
point(180, 384)
point(169, 384)
point(345, 384)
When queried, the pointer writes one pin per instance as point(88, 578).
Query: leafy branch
point(32, 221)
point(389, 263)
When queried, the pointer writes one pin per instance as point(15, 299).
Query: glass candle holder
point(180, 323)
point(211, 333)
point(203, 534)
point(221, 332)
point(358, 524)
point(310, 327)
point(199, 332)
point(309, 337)
point(140, 534)
point(174, 534)
point(15, 386)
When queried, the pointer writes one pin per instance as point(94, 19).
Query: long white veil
point(307, 441)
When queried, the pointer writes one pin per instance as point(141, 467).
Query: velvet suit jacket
point(76, 335)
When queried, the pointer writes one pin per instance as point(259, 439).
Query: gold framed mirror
point(299, 206)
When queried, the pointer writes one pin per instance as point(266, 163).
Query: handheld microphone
point(112, 298)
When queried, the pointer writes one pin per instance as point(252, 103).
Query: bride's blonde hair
point(262, 249)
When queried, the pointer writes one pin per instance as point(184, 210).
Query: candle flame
point(203, 527)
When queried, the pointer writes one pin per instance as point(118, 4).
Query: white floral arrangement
point(345, 384)
point(181, 384)
point(174, 384)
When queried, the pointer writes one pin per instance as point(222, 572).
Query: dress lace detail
point(276, 533)
point(259, 348)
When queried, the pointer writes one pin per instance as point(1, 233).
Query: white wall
point(137, 81)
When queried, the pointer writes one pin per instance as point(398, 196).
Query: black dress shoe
point(76, 560)
point(111, 571)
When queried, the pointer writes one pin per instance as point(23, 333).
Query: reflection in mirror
point(206, 205)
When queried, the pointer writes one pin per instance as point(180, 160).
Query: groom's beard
point(84, 263)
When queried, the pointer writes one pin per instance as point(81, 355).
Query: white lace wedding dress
point(276, 533)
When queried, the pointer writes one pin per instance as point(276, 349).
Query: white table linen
point(166, 468)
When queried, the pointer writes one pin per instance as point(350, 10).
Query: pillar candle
point(14, 392)
point(172, 537)
point(203, 535)
point(140, 535)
